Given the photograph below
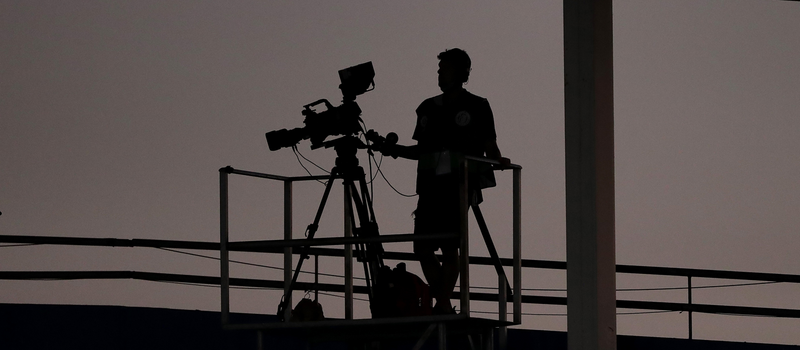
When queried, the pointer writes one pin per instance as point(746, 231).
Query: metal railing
point(288, 242)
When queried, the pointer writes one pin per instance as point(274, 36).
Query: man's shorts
point(437, 213)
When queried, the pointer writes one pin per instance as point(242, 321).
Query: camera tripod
point(347, 168)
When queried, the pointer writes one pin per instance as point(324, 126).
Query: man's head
point(454, 68)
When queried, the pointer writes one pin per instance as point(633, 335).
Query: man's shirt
point(463, 124)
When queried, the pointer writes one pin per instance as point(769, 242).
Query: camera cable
point(297, 155)
point(387, 180)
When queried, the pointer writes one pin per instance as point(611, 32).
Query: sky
point(116, 116)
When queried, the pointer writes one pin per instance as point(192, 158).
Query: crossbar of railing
point(330, 287)
point(231, 170)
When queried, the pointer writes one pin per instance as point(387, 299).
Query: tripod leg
point(351, 214)
point(361, 253)
point(369, 227)
point(366, 198)
point(361, 208)
point(376, 248)
point(312, 229)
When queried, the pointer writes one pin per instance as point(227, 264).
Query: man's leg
point(432, 270)
point(449, 275)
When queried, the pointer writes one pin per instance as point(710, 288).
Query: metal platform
point(479, 332)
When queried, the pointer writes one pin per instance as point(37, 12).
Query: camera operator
point(455, 121)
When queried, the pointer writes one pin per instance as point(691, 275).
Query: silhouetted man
point(454, 122)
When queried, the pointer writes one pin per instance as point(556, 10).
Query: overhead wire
point(695, 287)
point(17, 245)
point(484, 287)
point(642, 289)
point(217, 286)
point(564, 314)
point(342, 296)
point(251, 264)
point(472, 287)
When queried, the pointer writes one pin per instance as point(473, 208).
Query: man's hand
point(504, 162)
point(389, 150)
point(386, 145)
point(493, 152)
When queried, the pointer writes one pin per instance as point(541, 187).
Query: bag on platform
point(307, 310)
point(399, 293)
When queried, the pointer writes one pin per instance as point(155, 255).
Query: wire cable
point(18, 245)
point(733, 285)
point(253, 264)
point(642, 289)
point(471, 287)
point(525, 289)
point(341, 296)
point(390, 185)
point(698, 287)
point(216, 286)
point(371, 158)
point(564, 315)
point(297, 152)
point(647, 312)
point(297, 155)
point(369, 155)
point(377, 164)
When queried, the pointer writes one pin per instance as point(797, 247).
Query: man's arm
point(407, 152)
point(493, 152)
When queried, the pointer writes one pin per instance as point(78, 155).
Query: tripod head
point(346, 148)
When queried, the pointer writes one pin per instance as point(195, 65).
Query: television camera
point(335, 120)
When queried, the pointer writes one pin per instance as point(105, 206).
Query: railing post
point(503, 309)
point(287, 252)
point(223, 244)
point(517, 243)
point(464, 198)
point(348, 255)
point(442, 336)
point(690, 305)
point(316, 277)
point(502, 293)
